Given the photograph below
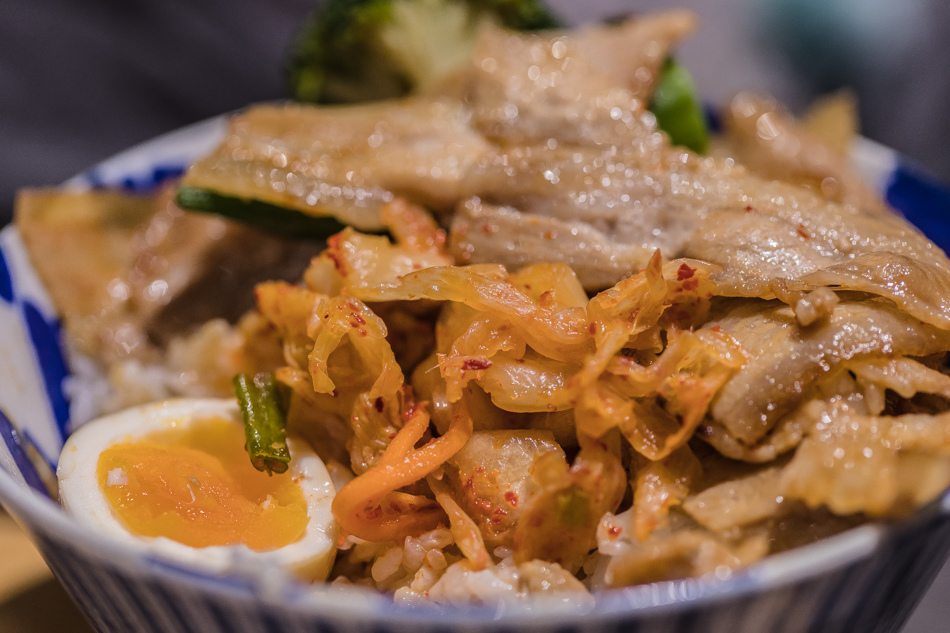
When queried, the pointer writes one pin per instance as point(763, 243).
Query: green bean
point(265, 426)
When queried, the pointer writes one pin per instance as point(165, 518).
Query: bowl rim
point(43, 517)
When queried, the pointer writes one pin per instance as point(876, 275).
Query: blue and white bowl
point(866, 579)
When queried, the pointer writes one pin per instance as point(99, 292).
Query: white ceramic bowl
point(866, 579)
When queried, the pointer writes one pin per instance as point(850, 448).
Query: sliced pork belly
point(790, 359)
point(766, 138)
point(345, 161)
point(536, 87)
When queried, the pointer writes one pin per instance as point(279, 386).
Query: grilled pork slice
point(791, 359)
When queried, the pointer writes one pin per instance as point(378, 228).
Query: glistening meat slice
point(610, 208)
point(768, 140)
point(525, 87)
point(788, 232)
point(922, 288)
point(344, 162)
point(646, 197)
point(790, 359)
point(498, 234)
point(880, 465)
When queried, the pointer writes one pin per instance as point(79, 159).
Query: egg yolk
point(197, 486)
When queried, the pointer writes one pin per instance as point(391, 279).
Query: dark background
point(83, 79)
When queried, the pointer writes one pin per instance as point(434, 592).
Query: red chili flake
point(476, 363)
point(484, 504)
point(592, 328)
point(469, 484)
point(396, 507)
point(748, 208)
point(333, 248)
point(501, 512)
point(361, 332)
point(488, 228)
point(685, 271)
point(545, 296)
point(802, 232)
point(512, 498)
point(359, 319)
point(378, 403)
point(690, 284)
point(614, 531)
point(716, 328)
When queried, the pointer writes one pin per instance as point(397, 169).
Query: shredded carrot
point(366, 508)
point(415, 423)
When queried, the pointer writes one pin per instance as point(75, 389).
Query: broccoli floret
point(363, 50)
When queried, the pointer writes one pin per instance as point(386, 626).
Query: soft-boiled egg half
point(173, 478)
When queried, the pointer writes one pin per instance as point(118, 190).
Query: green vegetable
point(265, 427)
point(678, 109)
point(363, 50)
point(263, 215)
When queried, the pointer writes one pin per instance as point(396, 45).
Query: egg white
point(310, 557)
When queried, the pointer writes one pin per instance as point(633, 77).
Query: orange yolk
point(197, 486)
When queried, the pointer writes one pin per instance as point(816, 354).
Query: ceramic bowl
point(866, 579)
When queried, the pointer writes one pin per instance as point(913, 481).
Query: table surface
point(32, 600)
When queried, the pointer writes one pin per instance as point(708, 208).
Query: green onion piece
point(262, 215)
point(265, 427)
point(678, 109)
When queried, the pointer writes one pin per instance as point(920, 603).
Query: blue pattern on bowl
point(868, 579)
point(18, 446)
point(6, 284)
point(923, 200)
point(46, 337)
point(137, 183)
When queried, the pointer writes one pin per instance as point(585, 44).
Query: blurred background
point(82, 80)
